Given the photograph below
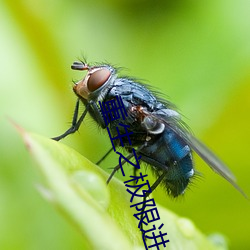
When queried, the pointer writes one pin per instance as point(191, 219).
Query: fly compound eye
point(97, 79)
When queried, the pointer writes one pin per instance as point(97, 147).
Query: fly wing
point(175, 124)
point(208, 156)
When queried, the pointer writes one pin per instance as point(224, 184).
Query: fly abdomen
point(178, 176)
point(169, 155)
point(180, 166)
point(178, 149)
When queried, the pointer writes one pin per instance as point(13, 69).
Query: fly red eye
point(97, 79)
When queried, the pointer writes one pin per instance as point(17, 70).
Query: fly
point(160, 137)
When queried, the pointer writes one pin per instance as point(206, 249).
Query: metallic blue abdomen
point(171, 155)
point(165, 152)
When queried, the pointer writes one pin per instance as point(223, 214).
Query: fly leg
point(157, 182)
point(116, 168)
point(75, 124)
point(135, 173)
point(153, 187)
point(110, 150)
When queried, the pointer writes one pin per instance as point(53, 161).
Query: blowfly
point(160, 137)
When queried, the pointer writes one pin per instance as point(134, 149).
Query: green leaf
point(102, 213)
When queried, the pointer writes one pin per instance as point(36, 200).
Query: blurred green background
point(196, 52)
